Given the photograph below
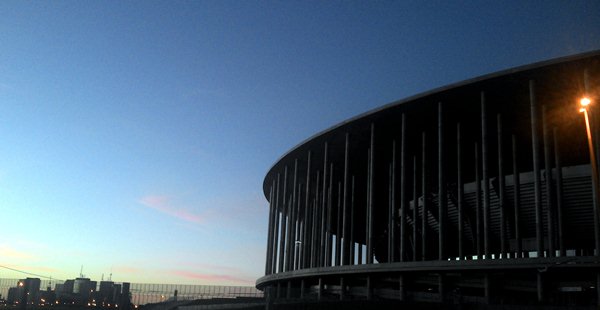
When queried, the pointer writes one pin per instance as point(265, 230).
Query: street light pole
point(585, 102)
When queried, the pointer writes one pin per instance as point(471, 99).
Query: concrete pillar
point(290, 259)
point(460, 192)
point(328, 226)
point(351, 237)
point(393, 204)
point(415, 213)
point(269, 258)
point(549, 184)
point(276, 230)
point(403, 207)
point(338, 229)
point(501, 187)
point(315, 220)
point(282, 243)
point(559, 213)
point(345, 244)
point(305, 257)
point(442, 198)
point(486, 180)
point(369, 288)
point(424, 190)
point(536, 171)
point(517, 198)
point(401, 291)
point(390, 227)
point(324, 208)
point(370, 198)
point(478, 224)
point(269, 298)
point(320, 289)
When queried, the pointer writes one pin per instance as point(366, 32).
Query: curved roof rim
point(421, 95)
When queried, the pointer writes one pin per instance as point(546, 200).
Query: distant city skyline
point(136, 135)
point(90, 292)
point(80, 291)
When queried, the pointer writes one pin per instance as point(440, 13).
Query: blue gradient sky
point(135, 135)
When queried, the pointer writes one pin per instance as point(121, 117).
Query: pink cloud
point(163, 204)
point(212, 278)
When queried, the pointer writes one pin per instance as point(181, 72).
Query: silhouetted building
point(68, 287)
point(14, 295)
point(479, 192)
point(81, 286)
point(116, 294)
point(27, 291)
point(125, 300)
point(47, 297)
point(108, 294)
point(58, 289)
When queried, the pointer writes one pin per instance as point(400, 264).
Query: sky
point(135, 135)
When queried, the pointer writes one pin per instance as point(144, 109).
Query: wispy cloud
point(164, 205)
point(126, 269)
point(195, 265)
point(212, 278)
point(44, 269)
point(7, 251)
point(30, 269)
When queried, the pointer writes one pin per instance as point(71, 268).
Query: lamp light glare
point(585, 101)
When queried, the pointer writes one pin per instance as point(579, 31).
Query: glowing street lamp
point(585, 103)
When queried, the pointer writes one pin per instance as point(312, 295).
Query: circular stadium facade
point(480, 192)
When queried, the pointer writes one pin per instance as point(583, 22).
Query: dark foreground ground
point(385, 305)
point(259, 304)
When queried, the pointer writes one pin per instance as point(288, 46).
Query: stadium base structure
point(483, 193)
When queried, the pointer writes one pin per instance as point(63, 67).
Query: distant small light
point(582, 110)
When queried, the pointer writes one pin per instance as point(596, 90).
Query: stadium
point(484, 192)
